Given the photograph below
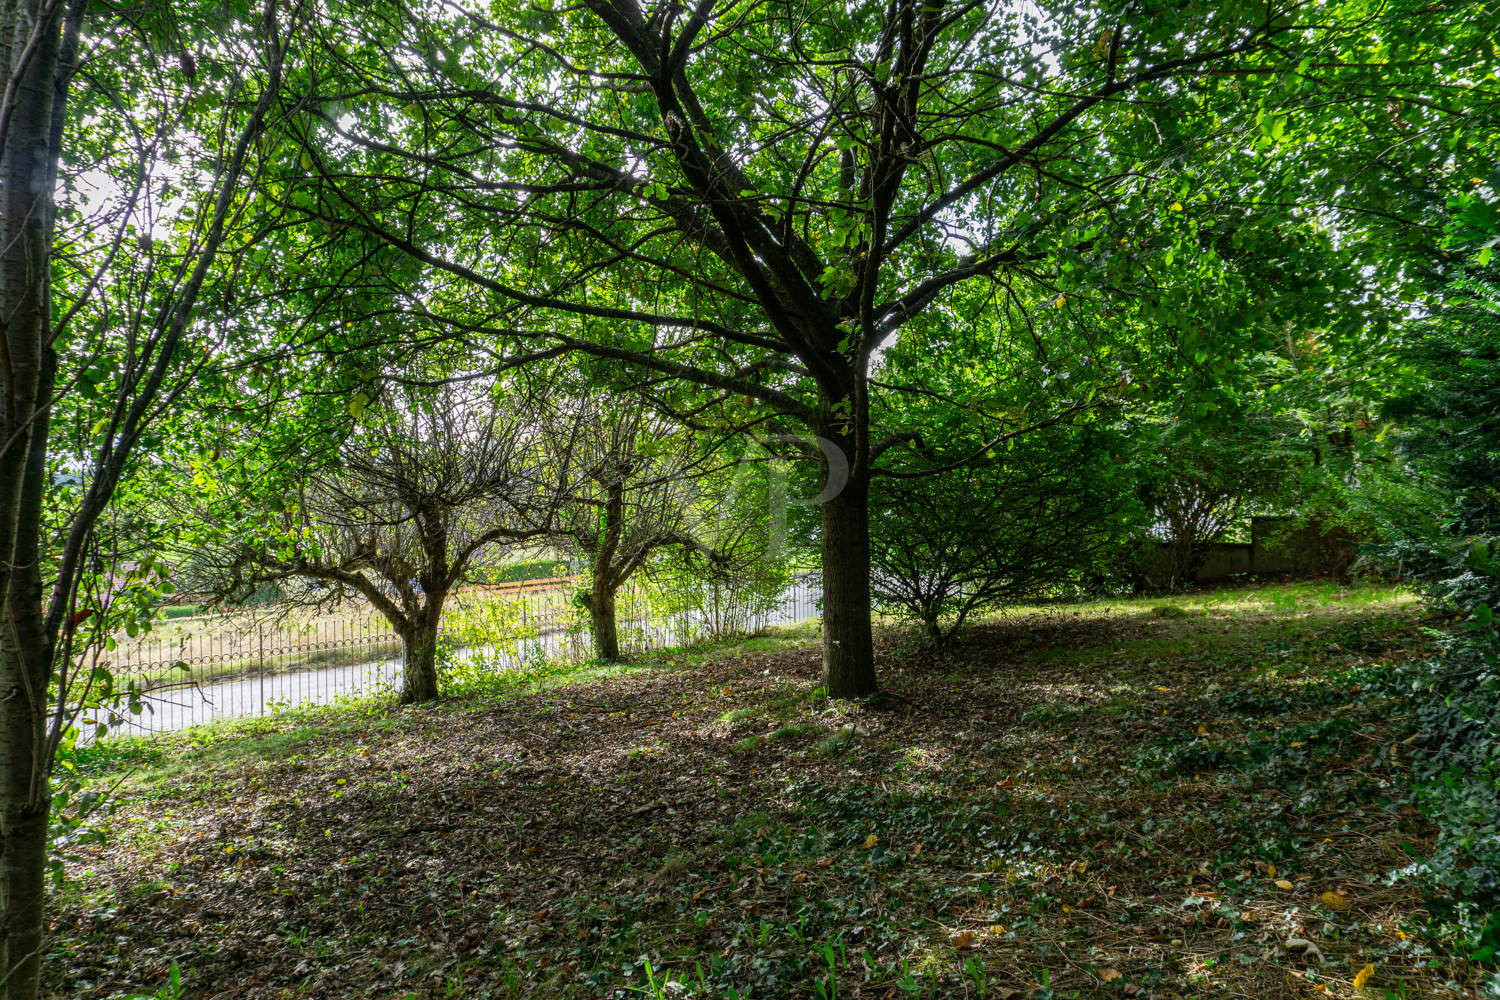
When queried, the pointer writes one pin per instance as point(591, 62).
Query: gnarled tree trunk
point(419, 678)
point(602, 617)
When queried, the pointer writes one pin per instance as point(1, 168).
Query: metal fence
point(244, 662)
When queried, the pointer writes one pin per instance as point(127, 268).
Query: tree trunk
point(848, 645)
point(26, 173)
point(419, 680)
point(606, 632)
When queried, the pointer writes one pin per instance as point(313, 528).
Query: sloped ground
point(1140, 800)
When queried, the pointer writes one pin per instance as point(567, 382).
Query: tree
point(1021, 525)
point(1440, 506)
point(637, 479)
point(100, 341)
point(1198, 480)
point(414, 497)
point(753, 199)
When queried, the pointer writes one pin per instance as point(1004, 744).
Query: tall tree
point(753, 198)
point(98, 338)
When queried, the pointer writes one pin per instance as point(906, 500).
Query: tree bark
point(606, 631)
point(848, 644)
point(31, 32)
point(419, 680)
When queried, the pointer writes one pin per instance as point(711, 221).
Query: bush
point(1030, 524)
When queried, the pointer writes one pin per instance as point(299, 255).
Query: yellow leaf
point(1202, 729)
point(1400, 935)
point(1109, 975)
point(871, 841)
point(1363, 976)
point(1334, 901)
point(997, 929)
point(1176, 206)
point(1282, 883)
point(1271, 870)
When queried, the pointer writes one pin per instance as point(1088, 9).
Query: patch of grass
point(833, 746)
point(796, 730)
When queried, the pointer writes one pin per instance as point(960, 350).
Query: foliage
point(741, 569)
point(1441, 507)
point(1024, 524)
point(1441, 512)
point(1198, 480)
point(484, 637)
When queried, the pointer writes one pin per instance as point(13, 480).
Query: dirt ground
point(1137, 799)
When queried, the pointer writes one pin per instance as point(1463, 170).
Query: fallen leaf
point(1363, 976)
point(1334, 901)
point(997, 929)
point(1007, 783)
point(1109, 975)
point(871, 841)
point(822, 862)
point(1282, 883)
point(916, 850)
point(799, 877)
point(964, 939)
point(1271, 870)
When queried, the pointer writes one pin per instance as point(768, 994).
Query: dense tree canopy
point(753, 198)
point(929, 247)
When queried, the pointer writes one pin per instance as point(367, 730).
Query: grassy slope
point(1060, 796)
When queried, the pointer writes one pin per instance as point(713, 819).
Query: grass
point(1066, 801)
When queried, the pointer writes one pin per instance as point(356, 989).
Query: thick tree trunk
point(606, 631)
point(419, 680)
point(848, 646)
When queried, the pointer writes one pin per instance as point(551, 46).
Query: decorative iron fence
point(244, 662)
